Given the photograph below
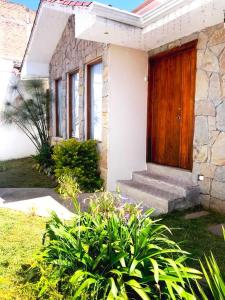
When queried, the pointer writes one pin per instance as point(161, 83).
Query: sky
point(123, 4)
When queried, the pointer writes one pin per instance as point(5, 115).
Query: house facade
point(15, 26)
point(149, 86)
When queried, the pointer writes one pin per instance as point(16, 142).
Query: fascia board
point(115, 14)
point(162, 10)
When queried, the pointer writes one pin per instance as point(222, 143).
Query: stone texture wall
point(209, 135)
point(73, 54)
point(15, 25)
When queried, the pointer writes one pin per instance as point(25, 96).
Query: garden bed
point(21, 237)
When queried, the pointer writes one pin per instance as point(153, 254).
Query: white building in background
point(15, 25)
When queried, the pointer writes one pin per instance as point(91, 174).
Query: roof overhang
point(165, 22)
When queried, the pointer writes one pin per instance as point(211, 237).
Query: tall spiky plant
point(28, 108)
point(215, 280)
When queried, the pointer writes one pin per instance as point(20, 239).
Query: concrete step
point(163, 188)
point(178, 174)
point(165, 183)
point(152, 197)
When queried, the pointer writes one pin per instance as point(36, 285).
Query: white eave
point(169, 21)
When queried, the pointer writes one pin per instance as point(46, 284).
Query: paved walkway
point(38, 201)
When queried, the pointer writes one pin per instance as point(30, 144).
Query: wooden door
point(171, 107)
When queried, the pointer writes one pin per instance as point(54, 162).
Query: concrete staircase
point(163, 188)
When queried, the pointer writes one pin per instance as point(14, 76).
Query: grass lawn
point(194, 237)
point(19, 173)
point(20, 238)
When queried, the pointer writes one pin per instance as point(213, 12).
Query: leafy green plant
point(107, 204)
point(114, 257)
point(80, 160)
point(69, 189)
point(29, 110)
point(215, 280)
point(44, 160)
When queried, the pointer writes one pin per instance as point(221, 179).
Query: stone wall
point(16, 22)
point(72, 54)
point(209, 135)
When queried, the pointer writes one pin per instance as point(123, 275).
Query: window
point(59, 108)
point(94, 102)
point(74, 105)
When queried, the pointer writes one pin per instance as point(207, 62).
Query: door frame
point(167, 53)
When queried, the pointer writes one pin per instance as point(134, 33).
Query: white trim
point(166, 7)
point(34, 70)
point(105, 24)
point(115, 14)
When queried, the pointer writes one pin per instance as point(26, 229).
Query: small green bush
point(44, 159)
point(81, 160)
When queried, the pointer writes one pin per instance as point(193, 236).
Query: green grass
point(20, 237)
point(194, 236)
point(20, 173)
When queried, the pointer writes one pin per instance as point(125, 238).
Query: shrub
point(44, 159)
point(112, 256)
point(79, 159)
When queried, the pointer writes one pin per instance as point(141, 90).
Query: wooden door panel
point(188, 94)
point(171, 108)
point(173, 100)
point(159, 108)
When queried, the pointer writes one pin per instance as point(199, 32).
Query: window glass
point(96, 102)
point(59, 108)
point(75, 104)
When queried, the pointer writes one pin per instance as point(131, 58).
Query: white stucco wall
point(14, 143)
point(128, 69)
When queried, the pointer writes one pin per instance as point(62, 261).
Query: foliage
point(44, 159)
point(29, 110)
point(69, 188)
point(2, 166)
point(112, 256)
point(214, 279)
point(107, 204)
point(21, 237)
point(194, 236)
point(80, 160)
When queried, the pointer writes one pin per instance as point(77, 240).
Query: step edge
point(168, 167)
point(127, 183)
point(148, 173)
point(178, 184)
point(161, 168)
